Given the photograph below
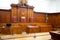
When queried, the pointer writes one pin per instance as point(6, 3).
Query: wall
point(40, 17)
point(54, 20)
point(20, 13)
point(4, 16)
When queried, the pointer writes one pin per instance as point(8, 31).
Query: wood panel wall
point(14, 14)
point(40, 17)
point(5, 16)
point(19, 11)
point(54, 20)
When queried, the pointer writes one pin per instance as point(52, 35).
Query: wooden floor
point(33, 36)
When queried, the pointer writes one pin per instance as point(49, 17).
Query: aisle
point(33, 36)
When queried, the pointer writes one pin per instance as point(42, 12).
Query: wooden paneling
point(19, 11)
point(23, 13)
point(14, 15)
point(18, 28)
point(46, 28)
point(5, 31)
point(30, 15)
point(54, 20)
point(5, 16)
point(40, 17)
point(33, 30)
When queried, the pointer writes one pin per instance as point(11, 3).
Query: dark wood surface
point(55, 36)
point(54, 20)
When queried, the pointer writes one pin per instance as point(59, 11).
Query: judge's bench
point(19, 28)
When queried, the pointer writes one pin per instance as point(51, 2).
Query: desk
point(0, 29)
point(55, 35)
point(33, 29)
point(12, 30)
point(18, 28)
point(5, 30)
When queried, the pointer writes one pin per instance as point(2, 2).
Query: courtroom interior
point(21, 19)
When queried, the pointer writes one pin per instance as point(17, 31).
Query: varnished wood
point(39, 17)
point(18, 28)
point(5, 16)
point(53, 19)
point(19, 12)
